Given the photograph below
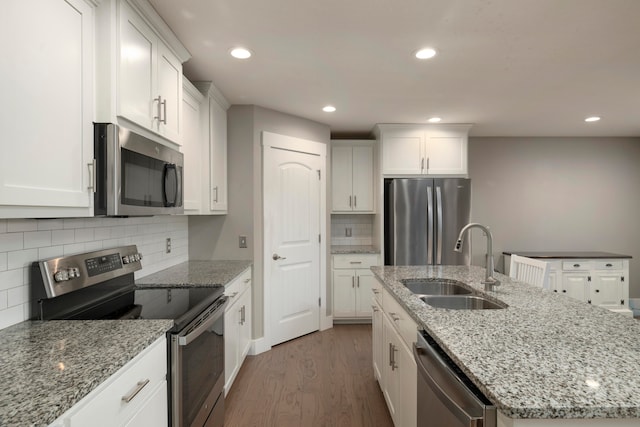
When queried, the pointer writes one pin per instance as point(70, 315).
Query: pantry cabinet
point(433, 150)
point(213, 119)
point(139, 70)
point(237, 326)
point(352, 284)
point(352, 176)
point(47, 86)
point(136, 395)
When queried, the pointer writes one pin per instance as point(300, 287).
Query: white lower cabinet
point(237, 326)
point(394, 334)
point(352, 284)
point(136, 395)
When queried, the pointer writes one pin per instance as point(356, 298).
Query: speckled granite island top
point(545, 356)
point(354, 249)
point(568, 255)
point(195, 274)
point(47, 367)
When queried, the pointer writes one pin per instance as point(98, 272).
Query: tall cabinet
point(47, 87)
point(352, 176)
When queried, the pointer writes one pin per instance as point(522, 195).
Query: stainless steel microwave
point(134, 175)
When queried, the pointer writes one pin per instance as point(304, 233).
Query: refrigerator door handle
point(439, 221)
point(430, 228)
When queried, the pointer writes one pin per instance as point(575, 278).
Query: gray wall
point(216, 238)
point(557, 194)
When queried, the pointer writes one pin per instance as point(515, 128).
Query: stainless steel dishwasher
point(446, 396)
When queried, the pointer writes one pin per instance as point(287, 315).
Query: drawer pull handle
point(394, 316)
point(375, 291)
point(247, 280)
point(576, 265)
point(141, 384)
point(355, 262)
point(233, 295)
point(609, 265)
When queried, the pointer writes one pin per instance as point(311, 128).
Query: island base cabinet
point(377, 340)
point(504, 421)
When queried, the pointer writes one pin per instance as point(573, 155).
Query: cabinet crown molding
point(380, 127)
point(209, 89)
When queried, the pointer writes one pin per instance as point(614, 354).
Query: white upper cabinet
point(352, 176)
point(433, 150)
point(213, 119)
point(193, 146)
point(47, 87)
point(139, 70)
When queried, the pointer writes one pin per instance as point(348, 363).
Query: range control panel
point(67, 274)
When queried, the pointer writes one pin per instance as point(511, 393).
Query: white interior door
point(292, 204)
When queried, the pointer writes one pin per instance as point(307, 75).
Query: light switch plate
point(243, 241)
point(347, 232)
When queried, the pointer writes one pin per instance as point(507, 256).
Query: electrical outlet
point(347, 232)
point(242, 241)
point(168, 245)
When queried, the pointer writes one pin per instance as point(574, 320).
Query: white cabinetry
point(599, 281)
point(47, 87)
point(352, 178)
point(424, 149)
point(394, 333)
point(140, 86)
point(352, 284)
point(192, 148)
point(237, 326)
point(136, 395)
point(214, 157)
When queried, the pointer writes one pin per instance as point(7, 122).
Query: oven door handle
point(216, 313)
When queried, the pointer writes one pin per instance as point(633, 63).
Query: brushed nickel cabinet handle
point(129, 397)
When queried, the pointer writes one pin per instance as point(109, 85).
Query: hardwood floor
point(321, 379)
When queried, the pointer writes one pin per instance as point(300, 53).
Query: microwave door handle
point(170, 167)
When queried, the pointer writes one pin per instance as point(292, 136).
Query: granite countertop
point(195, 274)
point(545, 356)
point(568, 255)
point(47, 367)
point(354, 249)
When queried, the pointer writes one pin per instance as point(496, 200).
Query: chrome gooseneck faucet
point(489, 281)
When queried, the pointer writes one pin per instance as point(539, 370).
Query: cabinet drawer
point(404, 324)
point(355, 261)
point(237, 286)
point(577, 265)
point(607, 264)
point(107, 406)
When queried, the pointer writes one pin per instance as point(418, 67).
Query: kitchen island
point(544, 359)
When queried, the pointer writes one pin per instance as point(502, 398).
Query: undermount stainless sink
point(436, 287)
point(462, 302)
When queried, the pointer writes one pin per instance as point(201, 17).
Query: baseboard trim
point(259, 346)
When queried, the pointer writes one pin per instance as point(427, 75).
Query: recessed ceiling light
point(425, 53)
point(434, 119)
point(329, 109)
point(592, 119)
point(240, 53)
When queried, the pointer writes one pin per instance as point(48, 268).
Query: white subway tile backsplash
point(25, 241)
point(361, 227)
point(11, 242)
point(37, 239)
point(19, 259)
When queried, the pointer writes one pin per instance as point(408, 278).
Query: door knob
point(277, 257)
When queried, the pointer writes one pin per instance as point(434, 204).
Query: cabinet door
point(403, 153)
point(231, 344)
point(408, 389)
point(192, 150)
point(136, 76)
point(344, 293)
point(390, 377)
point(377, 339)
point(364, 285)
point(47, 90)
point(170, 90)
point(245, 325)
point(218, 157)
point(607, 289)
point(341, 179)
point(575, 285)
point(446, 154)
point(362, 178)
point(154, 411)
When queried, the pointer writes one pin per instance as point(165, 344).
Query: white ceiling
point(510, 67)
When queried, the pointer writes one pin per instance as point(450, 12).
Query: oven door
point(197, 369)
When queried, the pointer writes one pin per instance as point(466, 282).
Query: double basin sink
point(450, 294)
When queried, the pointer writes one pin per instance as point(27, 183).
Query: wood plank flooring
point(324, 379)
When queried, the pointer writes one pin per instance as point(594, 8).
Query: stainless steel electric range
point(100, 285)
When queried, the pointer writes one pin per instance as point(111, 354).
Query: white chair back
point(529, 270)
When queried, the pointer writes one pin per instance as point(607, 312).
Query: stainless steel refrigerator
point(422, 219)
